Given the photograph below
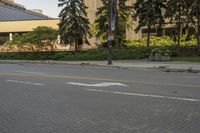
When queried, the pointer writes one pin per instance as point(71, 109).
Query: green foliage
point(180, 12)
point(156, 50)
point(74, 24)
point(187, 58)
point(38, 37)
point(93, 54)
point(149, 13)
point(122, 21)
point(164, 41)
point(163, 51)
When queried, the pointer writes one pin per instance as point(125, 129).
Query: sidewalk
point(173, 66)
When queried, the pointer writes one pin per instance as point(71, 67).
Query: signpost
point(111, 36)
point(111, 27)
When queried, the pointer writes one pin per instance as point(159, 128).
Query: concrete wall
point(130, 33)
point(92, 8)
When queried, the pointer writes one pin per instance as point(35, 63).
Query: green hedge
point(164, 41)
point(94, 54)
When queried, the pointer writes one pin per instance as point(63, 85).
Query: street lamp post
point(111, 28)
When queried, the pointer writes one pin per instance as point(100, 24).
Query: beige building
point(15, 18)
point(167, 29)
point(93, 5)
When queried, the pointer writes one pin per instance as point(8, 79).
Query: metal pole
point(198, 27)
point(109, 30)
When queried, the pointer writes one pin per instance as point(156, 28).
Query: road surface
point(41, 98)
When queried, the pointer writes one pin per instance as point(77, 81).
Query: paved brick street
point(83, 99)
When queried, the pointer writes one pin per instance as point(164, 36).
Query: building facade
point(165, 30)
point(15, 18)
point(93, 5)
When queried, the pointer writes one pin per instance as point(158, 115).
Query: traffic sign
point(110, 38)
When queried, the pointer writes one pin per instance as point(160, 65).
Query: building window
point(4, 37)
point(153, 32)
point(170, 31)
point(160, 32)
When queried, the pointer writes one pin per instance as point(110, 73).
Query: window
point(4, 37)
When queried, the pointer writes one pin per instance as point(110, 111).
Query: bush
point(94, 54)
point(164, 52)
point(164, 41)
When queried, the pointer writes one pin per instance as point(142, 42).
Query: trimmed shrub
point(164, 41)
point(93, 54)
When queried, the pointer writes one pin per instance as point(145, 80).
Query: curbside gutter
point(163, 66)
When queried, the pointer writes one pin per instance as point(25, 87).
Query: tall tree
point(40, 38)
point(175, 12)
point(122, 17)
point(198, 23)
point(188, 15)
point(196, 15)
point(149, 13)
point(74, 24)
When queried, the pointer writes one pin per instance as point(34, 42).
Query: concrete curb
point(164, 68)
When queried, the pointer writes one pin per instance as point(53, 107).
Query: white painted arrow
point(104, 84)
point(24, 82)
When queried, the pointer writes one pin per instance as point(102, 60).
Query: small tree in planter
point(160, 55)
point(166, 55)
point(155, 55)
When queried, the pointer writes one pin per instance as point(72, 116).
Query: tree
point(196, 15)
point(39, 37)
point(74, 24)
point(188, 19)
point(149, 13)
point(198, 24)
point(175, 11)
point(122, 17)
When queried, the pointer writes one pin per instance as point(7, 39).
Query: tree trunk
point(76, 44)
point(109, 29)
point(120, 5)
point(187, 25)
point(179, 29)
point(148, 35)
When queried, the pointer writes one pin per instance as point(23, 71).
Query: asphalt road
point(38, 98)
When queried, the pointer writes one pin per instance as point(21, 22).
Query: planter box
point(157, 57)
point(151, 58)
point(165, 58)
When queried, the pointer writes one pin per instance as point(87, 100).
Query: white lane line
point(145, 95)
point(29, 72)
point(24, 82)
point(104, 84)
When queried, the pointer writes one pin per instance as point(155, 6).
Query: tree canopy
point(122, 18)
point(74, 24)
point(38, 36)
point(148, 13)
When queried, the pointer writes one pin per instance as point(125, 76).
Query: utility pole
point(179, 27)
point(198, 26)
point(111, 27)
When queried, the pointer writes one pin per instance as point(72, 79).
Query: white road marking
point(29, 72)
point(145, 95)
point(104, 84)
point(24, 82)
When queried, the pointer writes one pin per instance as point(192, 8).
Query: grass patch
point(187, 58)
